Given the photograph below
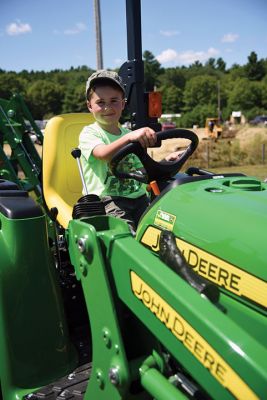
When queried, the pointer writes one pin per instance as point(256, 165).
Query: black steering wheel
point(155, 170)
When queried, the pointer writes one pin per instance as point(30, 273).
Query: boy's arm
point(145, 136)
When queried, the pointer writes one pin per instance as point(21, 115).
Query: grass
point(257, 171)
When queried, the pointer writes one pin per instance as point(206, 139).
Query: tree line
point(196, 92)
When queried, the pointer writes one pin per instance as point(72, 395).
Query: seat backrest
point(62, 185)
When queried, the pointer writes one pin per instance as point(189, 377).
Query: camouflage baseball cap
point(104, 74)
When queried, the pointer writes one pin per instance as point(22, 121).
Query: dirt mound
point(244, 134)
point(247, 133)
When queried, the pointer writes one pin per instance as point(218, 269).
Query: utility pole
point(219, 102)
point(99, 56)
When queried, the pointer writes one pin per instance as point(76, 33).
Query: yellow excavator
point(213, 128)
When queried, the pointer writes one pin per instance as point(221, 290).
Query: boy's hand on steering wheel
point(174, 156)
point(145, 136)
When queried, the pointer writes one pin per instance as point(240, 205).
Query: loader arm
point(120, 277)
point(14, 132)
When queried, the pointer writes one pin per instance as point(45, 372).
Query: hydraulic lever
point(171, 255)
point(76, 153)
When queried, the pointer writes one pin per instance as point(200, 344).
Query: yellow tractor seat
point(62, 185)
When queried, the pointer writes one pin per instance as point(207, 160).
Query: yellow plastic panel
point(62, 185)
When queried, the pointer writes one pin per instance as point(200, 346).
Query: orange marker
point(155, 188)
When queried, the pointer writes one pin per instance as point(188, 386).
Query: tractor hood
point(220, 226)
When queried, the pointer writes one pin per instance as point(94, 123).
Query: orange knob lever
point(155, 188)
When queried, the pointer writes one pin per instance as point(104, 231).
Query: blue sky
point(50, 34)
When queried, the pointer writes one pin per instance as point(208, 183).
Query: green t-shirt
point(97, 175)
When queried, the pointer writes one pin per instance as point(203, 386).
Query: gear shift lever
point(76, 153)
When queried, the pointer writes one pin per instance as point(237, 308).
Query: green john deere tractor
point(177, 312)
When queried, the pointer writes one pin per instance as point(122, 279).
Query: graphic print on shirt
point(123, 187)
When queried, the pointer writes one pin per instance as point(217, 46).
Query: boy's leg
point(139, 207)
point(128, 209)
point(116, 207)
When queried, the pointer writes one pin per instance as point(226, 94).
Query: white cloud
point(18, 28)
point(78, 28)
point(230, 37)
point(186, 57)
point(189, 57)
point(169, 33)
point(167, 56)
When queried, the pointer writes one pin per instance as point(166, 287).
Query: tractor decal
point(214, 269)
point(165, 220)
point(191, 339)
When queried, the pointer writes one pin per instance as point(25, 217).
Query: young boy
point(99, 141)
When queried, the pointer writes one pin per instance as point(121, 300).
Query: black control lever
point(171, 255)
point(76, 153)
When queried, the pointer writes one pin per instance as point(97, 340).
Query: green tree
point(11, 83)
point(200, 90)
point(220, 65)
point(196, 65)
point(211, 63)
point(254, 69)
point(173, 77)
point(246, 96)
point(236, 72)
point(172, 99)
point(74, 99)
point(152, 70)
point(264, 94)
point(197, 69)
point(192, 90)
point(197, 116)
point(44, 98)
